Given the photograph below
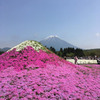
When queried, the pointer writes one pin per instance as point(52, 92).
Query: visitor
point(65, 57)
point(98, 61)
point(95, 57)
point(75, 58)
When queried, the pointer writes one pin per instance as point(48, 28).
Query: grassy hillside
point(91, 52)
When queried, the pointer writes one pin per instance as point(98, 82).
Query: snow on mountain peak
point(56, 42)
point(51, 36)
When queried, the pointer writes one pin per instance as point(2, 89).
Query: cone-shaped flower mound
point(34, 44)
point(29, 71)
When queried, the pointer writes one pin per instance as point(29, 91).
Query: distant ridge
point(92, 51)
point(4, 49)
point(56, 42)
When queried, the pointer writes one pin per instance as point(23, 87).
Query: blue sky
point(75, 21)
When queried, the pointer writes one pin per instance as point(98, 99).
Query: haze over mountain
point(56, 42)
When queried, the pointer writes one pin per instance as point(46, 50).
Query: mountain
point(0, 49)
point(4, 49)
point(56, 42)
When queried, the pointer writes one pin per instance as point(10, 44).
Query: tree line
point(68, 52)
point(71, 52)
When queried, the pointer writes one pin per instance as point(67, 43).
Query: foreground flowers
point(32, 75)
point(50, 83)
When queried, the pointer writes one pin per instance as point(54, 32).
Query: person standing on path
point(75, 58)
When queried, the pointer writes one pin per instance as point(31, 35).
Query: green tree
point(53, 49)
point(92, 54)
point(79, 52)
point(70, 55)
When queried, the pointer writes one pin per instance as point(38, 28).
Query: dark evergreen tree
point(92, 54)
point(53, 49)
point(79, 52)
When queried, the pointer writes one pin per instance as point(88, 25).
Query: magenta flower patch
point(33, 75)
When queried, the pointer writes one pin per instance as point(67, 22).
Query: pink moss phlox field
point(20, 60)
point(32, 75)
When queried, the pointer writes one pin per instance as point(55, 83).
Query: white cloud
point(98, 34)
